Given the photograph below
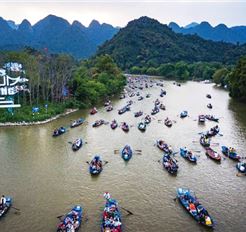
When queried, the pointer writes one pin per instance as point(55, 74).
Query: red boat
point(213, 154)
point(93, 111)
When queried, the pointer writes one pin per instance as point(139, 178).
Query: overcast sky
point(118, 13)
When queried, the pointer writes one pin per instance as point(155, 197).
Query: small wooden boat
point(109, 108)
point(195, 209)
point(213, 154)
point(201, 118)
point(157, 102)
point(209, 96)
point(107, 103)
point(213, 131)
point(96, 166)
point(114, 124)
point(126, 153)
point(77, 122)
point(111, 218)
point(231, 153)
point(168, 122)
point(155, 111)
point(123, 110)
point(212, 118)
point(188, 155)
point(147, 119)
point(98, 123)
point(125, 127)
point(142, 126)
point(148, 95)
point(163, 146)
point(140, 98)
point(138, 114)
point(72, 220)
point(184, 114)
point(162, 107)
point(59, 131)
point(170, 164)
point(93, 111)
point(209, 106)
point(204, 141)
point(241, 167)
point(4, 209)
point(77, 144)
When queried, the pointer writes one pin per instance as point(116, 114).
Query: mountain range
point(56, 35)
point(145, 42)
point(220, 32)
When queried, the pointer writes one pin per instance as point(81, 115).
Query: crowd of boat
point(111, 219)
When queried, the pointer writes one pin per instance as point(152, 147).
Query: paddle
point(60, 216)
point(174, 153)
point(128, 211)
point(15, 208)
point(116, 151)
point(240, 174)
point(105, 162)
point(139, 150)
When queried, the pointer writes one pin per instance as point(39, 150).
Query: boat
point(140, 98)
point(142, 126)
point(138, 114)
point(6, 207)
point(128, 103)
point(114, 124)
point(123, 110)
point(126, 153)
point(147, 95)
point(212, 118)
point(188, 155)
point(213, 131)
point(168, 122)
point(201, 118)
point(71, 221)
point(111, 218)
point(122, 96)
point(93, 111)
point(204, 141)
point(77, 122)
point(125, 127)
point(59, 131)
point(163, 93)
point(241, 167)
point(162, 107)
point(212, 154)
point(209, 96)
point(170, 164)
point(209, 106)
point(184, 114)
point(193, 206)
point(98, 123)
point(231, 153)
point(157, 102)
point(163, 146)
point(77, 144)
point(96, 166)
point(155, 111)
point(147, 119)
point(109, 108)
point(107, 103)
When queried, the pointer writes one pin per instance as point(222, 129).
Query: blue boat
point(6, 207)
point(170, 164)
point(231, 153)
point(188, 155)
point(124, 109)
point(111, 218)
point(126, 153)
point(96, 166)
point(195, 209)
point(71, 221)
point(184, 114)
point(59, 131)
point(241, 167)
point(77, 122)
point(142, 126)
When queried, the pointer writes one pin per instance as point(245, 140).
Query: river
point(46, 178)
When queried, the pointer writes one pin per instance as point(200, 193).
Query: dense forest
point(60, 82)
point(146, 43)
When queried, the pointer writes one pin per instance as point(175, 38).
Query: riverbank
point(23, 123)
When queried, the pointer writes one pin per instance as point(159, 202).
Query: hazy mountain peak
point(190, 25)
point(94, 23)
point(78, 24)
point(12, 24)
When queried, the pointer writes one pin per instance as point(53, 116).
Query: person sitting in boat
point(2, 202)
point(170, 149)
point(192, 207)
point(185, 150)
point(208, 220)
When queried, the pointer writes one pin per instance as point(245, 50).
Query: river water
point(46, 178)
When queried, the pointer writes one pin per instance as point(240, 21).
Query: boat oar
point(60, 216)
point(116, 151)
point(139, 150)
point(128, 211)
point(88, 162)
point(174, 153)
point(15, 208)
point(70, 142)
point(105, 162)
point(240, 174)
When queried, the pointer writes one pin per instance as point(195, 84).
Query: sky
point(119, 13)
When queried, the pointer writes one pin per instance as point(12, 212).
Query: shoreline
point(11, 124)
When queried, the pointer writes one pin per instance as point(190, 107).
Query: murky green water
point(46, 178)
